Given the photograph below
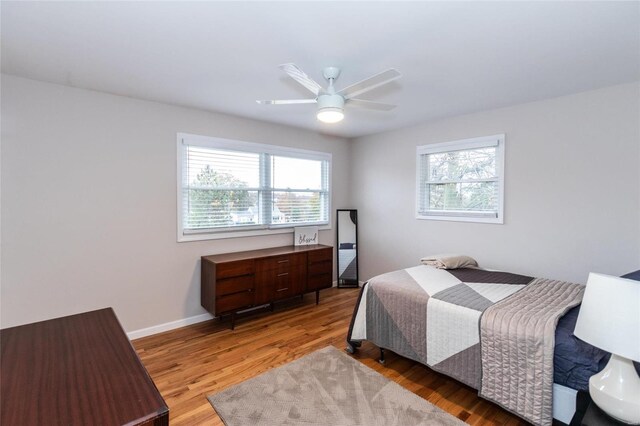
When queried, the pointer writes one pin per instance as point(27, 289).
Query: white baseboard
point(144, 332)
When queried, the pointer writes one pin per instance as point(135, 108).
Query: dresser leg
point(233, 320)
point(317, 296)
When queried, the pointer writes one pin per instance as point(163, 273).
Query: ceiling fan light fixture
point(330, 108)
point(330, 114)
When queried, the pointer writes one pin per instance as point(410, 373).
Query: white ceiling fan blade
point(298, 75)
point(369, 83)
point(287, 101)
point(361, 103)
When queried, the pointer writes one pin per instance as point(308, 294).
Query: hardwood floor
point(190, 363)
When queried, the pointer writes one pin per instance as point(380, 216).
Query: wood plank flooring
point(190, 363)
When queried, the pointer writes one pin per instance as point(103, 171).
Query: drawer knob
point(283, 261)
point(283, 289)
point(283, 274)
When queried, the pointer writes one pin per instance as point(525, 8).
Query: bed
point(491, 330)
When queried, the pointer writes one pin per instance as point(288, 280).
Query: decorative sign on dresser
point(233, 282)
point(76, 370)
point(305, 236)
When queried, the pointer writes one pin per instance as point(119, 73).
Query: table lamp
point(610, 320)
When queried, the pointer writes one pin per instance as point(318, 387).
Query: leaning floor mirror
point(347, 238)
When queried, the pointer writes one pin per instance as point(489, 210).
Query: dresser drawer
point(316, 282)
point(234, 302)
point(276, 285)
point(320, 255)
point(281, 263)
point(234, 285)
point(284, 287)
point(234, 269)
point(324, 267)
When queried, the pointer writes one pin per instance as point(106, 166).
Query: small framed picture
point(305, 236)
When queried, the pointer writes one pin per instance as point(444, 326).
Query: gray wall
point(89, 203)
point(572, 190)
point(89, 197)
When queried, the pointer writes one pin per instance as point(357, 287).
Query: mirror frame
point(357, 281)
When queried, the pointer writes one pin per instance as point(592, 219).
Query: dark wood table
point(75, 370)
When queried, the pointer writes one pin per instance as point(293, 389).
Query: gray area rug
point(326, 387)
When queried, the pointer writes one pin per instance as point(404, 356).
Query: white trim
point(237, 234)
point(461, 145)
point(497, 141)
point(179, 153)
point(476, 219)
point(172, 325)
point(167, 326)
point(252, 147)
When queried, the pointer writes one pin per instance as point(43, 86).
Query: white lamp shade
point(610, 315)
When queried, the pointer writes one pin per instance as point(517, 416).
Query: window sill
point(183, 238)
point(494, 220)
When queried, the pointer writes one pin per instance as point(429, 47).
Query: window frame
point(187, 139)
point(461, 145)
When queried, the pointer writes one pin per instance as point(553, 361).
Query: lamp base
point(616, 390)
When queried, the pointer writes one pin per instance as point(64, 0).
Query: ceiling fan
point(330, 102)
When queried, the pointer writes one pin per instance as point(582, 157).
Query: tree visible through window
point(216, 207)
point(461, 180)
point(233, 186)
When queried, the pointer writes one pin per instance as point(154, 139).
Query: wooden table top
point(75, 370)
point(272, 251)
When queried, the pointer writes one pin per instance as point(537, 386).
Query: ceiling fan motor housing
point(330, 101)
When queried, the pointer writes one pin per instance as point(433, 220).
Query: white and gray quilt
point(437, 317)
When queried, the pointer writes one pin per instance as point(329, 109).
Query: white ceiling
point(455, 57)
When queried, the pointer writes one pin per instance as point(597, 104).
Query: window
point(230, 188)
point(461, 180)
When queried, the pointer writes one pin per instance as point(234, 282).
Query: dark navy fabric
point(633, 275)
point(576, 361)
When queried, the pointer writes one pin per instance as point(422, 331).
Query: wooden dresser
point(76, 370)
point(232, 282)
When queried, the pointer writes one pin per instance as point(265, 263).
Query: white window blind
point(300, 190)
point(236, 187)
point(461, 180)
point(221, 188)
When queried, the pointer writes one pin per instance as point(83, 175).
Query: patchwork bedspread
point(433, 316)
